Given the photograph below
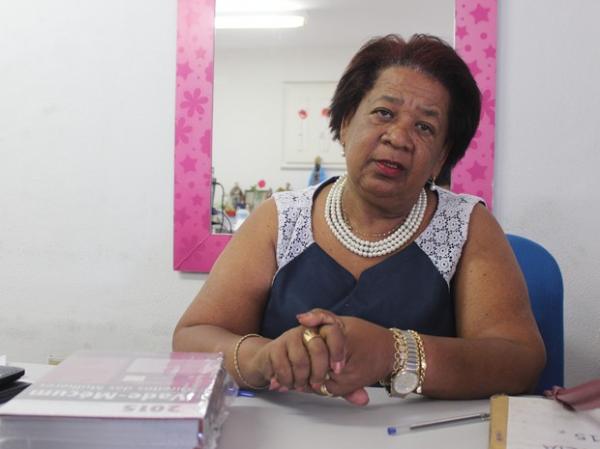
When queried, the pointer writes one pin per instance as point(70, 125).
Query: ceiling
point(343, 23)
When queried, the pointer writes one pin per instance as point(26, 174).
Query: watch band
point(412, 355)
point(399, 357)
point(422, 360)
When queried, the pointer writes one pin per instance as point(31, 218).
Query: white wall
point(548, 152)
point(86, 141)
point(86, 162)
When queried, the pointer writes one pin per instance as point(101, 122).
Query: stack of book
point(108, 400)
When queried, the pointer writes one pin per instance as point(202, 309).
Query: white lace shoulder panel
point(294, 210)
point(446, 234)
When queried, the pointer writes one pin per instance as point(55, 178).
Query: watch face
point(405, 382)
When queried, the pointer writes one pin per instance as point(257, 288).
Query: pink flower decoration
point(193, 102)
point(488, 105)
point(262, 183)
point(183, 70)
point(302, 114)
point(325, 112)
point(200, 53)
point(206, 142)
point(209, 73)
point(191, 18)
point(207, 179)
point(181, 131)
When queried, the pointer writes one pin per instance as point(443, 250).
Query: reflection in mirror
point(272, 88)
point(195, 246)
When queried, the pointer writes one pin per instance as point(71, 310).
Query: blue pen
point(246, 393)
point(393, 430)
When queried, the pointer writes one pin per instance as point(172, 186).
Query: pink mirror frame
point(195, 247)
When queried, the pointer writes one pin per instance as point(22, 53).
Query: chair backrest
point(544, 282)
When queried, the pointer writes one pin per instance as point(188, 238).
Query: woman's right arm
point(232, 299)
point(231, 303)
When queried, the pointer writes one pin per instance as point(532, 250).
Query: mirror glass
point(272, 88)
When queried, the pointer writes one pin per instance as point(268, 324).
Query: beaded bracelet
point(236, 363)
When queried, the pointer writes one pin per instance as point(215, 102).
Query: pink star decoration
point(190, 242)
point(461, 32)
point(477, 171)
point(181, 216)
point(197, 200)
point(457, 187)
point(480, 14)
point(474, 68)
point(490, 52)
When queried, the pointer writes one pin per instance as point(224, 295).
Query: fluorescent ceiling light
point(259, 21)
point(237, 6)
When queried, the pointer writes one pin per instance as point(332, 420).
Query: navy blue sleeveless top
point(409, 290)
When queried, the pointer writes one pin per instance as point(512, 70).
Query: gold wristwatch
point(407, 380)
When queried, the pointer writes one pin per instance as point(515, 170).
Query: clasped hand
point(343, 353)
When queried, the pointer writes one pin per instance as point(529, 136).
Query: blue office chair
point(545, 286)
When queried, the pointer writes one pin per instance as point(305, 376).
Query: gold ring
point(324, 391)
point(309, 334)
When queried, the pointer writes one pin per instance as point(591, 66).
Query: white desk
point(303, 421)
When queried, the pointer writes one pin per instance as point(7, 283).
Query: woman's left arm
point(498, 346)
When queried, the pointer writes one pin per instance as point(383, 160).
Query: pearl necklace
point(363, 234)
point(365, 248)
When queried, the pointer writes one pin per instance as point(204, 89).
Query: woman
point(377, 276)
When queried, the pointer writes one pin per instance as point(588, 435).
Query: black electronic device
point(9, 384)
point(8, 374)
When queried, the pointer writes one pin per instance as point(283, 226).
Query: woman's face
point(395, 141)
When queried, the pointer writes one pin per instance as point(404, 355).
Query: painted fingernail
point(274, 385)
point(284, 390)
point(337, 367)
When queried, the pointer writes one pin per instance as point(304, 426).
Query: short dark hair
point(427, 54)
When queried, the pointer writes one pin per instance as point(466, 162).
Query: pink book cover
point(127, 385)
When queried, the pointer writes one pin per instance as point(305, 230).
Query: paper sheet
point(540, 423)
